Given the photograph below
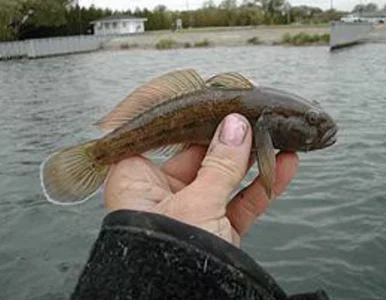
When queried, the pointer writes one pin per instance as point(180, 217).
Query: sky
point(193, 4)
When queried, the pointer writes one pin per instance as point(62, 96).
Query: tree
point(371, 7)
point(230, 7)
point(304, 13)
point(248, 3)
point(250, 15)
point(21, 19)
point(359, 8)
point(47, 12)
point(9, 13)
point(161, 18)
point(272, 9)
point(228, 4)
point(208, 4)
point(15, 15)
point(160, 8)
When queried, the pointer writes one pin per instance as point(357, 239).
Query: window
point(107, 25)
point(115, 24)
point(124, 24)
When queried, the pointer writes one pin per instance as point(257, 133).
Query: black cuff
point(318, 295)
point(148, 256)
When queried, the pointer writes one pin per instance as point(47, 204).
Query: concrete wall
point(50, 47)
point(377, 35)
point(344, 34)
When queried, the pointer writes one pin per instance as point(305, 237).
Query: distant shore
point(215, 36)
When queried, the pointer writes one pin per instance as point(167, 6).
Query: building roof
point(119, 18)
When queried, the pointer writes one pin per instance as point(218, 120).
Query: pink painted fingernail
point(233, 131)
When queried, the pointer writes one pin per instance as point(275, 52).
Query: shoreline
point(216, 36)
point(206, 37)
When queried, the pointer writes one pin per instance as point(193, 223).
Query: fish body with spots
point(179, 109)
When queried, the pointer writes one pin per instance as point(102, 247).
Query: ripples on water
point(328, 231)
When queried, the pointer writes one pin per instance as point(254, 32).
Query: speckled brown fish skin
point(177, 109)
point(194, 118)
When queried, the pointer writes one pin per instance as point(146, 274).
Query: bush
point(125, 46)
point(187, 45)
point(302, 38)
point(325, 37)
point(286, 39)
point(254, 41)
point(204, 43)
point(166, 44)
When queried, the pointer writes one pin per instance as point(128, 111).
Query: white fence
point(12, 50)
point(51, 46)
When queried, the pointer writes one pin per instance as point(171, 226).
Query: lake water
point(327, 231)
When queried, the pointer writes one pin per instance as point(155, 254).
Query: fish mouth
point(329, 138)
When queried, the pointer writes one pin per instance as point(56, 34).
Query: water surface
point(328, 230)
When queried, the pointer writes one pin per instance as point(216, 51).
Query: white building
point(115, 25)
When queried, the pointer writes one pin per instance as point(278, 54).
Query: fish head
point(311, 130)
point(320, 131)
point(297, 124)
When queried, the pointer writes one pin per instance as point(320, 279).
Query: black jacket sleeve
point(141, 255)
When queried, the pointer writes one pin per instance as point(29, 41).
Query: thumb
point(226, 161)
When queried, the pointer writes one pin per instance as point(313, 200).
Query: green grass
point(203, 43)
point(303, 39)
point(166, 44)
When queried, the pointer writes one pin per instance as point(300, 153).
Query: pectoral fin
point(265, 155)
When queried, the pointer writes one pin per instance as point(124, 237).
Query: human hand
point(195, 187)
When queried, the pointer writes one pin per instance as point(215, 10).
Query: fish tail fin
point(70, 176)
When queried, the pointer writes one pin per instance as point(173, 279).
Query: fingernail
point(233, 131)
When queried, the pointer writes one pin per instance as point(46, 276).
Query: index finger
point(252, 201)
point(184, 166)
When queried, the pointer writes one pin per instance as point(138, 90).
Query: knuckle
point(226, 168)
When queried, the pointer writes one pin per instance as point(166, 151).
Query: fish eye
point(312, 117)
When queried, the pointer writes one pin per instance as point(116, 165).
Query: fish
point(178, 109)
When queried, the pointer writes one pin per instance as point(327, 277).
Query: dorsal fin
point(161, 89)
point(230, 80)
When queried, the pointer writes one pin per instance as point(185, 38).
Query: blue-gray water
point(328, 230)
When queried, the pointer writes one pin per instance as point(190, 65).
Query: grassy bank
point(304, 39)
point(299, 39)
point(165, 44)
point(223, 37)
